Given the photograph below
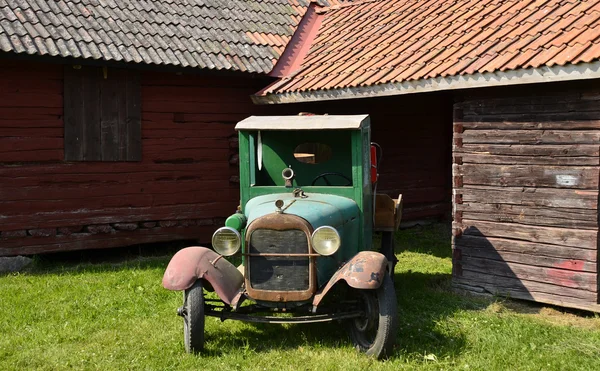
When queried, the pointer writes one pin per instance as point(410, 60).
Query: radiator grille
point(279, 273)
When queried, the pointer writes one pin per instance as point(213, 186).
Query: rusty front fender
point(364, 271)
point(193, 263)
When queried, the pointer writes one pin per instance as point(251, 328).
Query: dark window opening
point(102, 114)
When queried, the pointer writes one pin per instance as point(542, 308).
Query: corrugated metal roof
point(373, 42)
point(215, 34)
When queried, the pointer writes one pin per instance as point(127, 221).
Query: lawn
point(116, 316)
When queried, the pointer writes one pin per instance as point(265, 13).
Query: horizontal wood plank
point(532, 125)
point(560, 277)
point(526, 209)
point(533, 116)
point(6, 122)
point(533, 220)
point(500, 245)
point(527, 259)
point(105, 215)
point(530, 136)
point(38, 156)
point(528, 196)
point(559, 300)
point(494, 159)
point(28, 99)
point(66, 191)
point(35, 132)
point(491, 282)
point(543, 216)
point(586, 239)
point(529, 176)
point(86, 241)
point(553, 150)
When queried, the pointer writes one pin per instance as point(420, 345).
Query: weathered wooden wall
point(186, 182)
point(525, 176)
point(180, 190)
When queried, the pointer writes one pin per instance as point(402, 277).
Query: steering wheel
point(325, 175)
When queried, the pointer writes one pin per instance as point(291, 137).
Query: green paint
point(278, 153)
point(236, 221)
point(348, 208)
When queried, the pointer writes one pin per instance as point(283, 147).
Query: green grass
point(118, 317)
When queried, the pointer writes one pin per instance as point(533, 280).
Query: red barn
point(116, 123)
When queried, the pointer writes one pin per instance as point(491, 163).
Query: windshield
point(319, 158)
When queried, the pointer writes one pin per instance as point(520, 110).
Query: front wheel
point(375, 332)
point(193, 318)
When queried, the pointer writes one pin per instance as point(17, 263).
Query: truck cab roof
point(308, 122)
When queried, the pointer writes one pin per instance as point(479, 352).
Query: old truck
point(303, 233)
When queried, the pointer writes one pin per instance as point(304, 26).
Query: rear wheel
point(193, 318)
point(375, 332)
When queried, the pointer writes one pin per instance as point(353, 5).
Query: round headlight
point(226, 241)
point(326, 240)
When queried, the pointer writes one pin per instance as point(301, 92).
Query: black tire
point(388, 246)
point(375, 334)
point(193, 318)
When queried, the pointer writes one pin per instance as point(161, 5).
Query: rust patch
point(364, 271)
point(196, 262)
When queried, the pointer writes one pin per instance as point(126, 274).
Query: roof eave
point(557, 73)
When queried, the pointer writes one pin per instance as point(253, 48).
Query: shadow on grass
point(425, 305)
point(426, 301)
point(262, 337)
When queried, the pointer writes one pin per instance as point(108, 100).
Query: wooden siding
point(525, 178)
point(180, 190)
point(187, 181)
point(31, 107)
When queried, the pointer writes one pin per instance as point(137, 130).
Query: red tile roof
point(371, 42)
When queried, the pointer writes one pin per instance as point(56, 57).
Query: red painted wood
point(31, 124)
point(187, 126)
point(31, 113)
point(86, 241)
point(21, 99)
point(36, 132)
point(39, 155)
